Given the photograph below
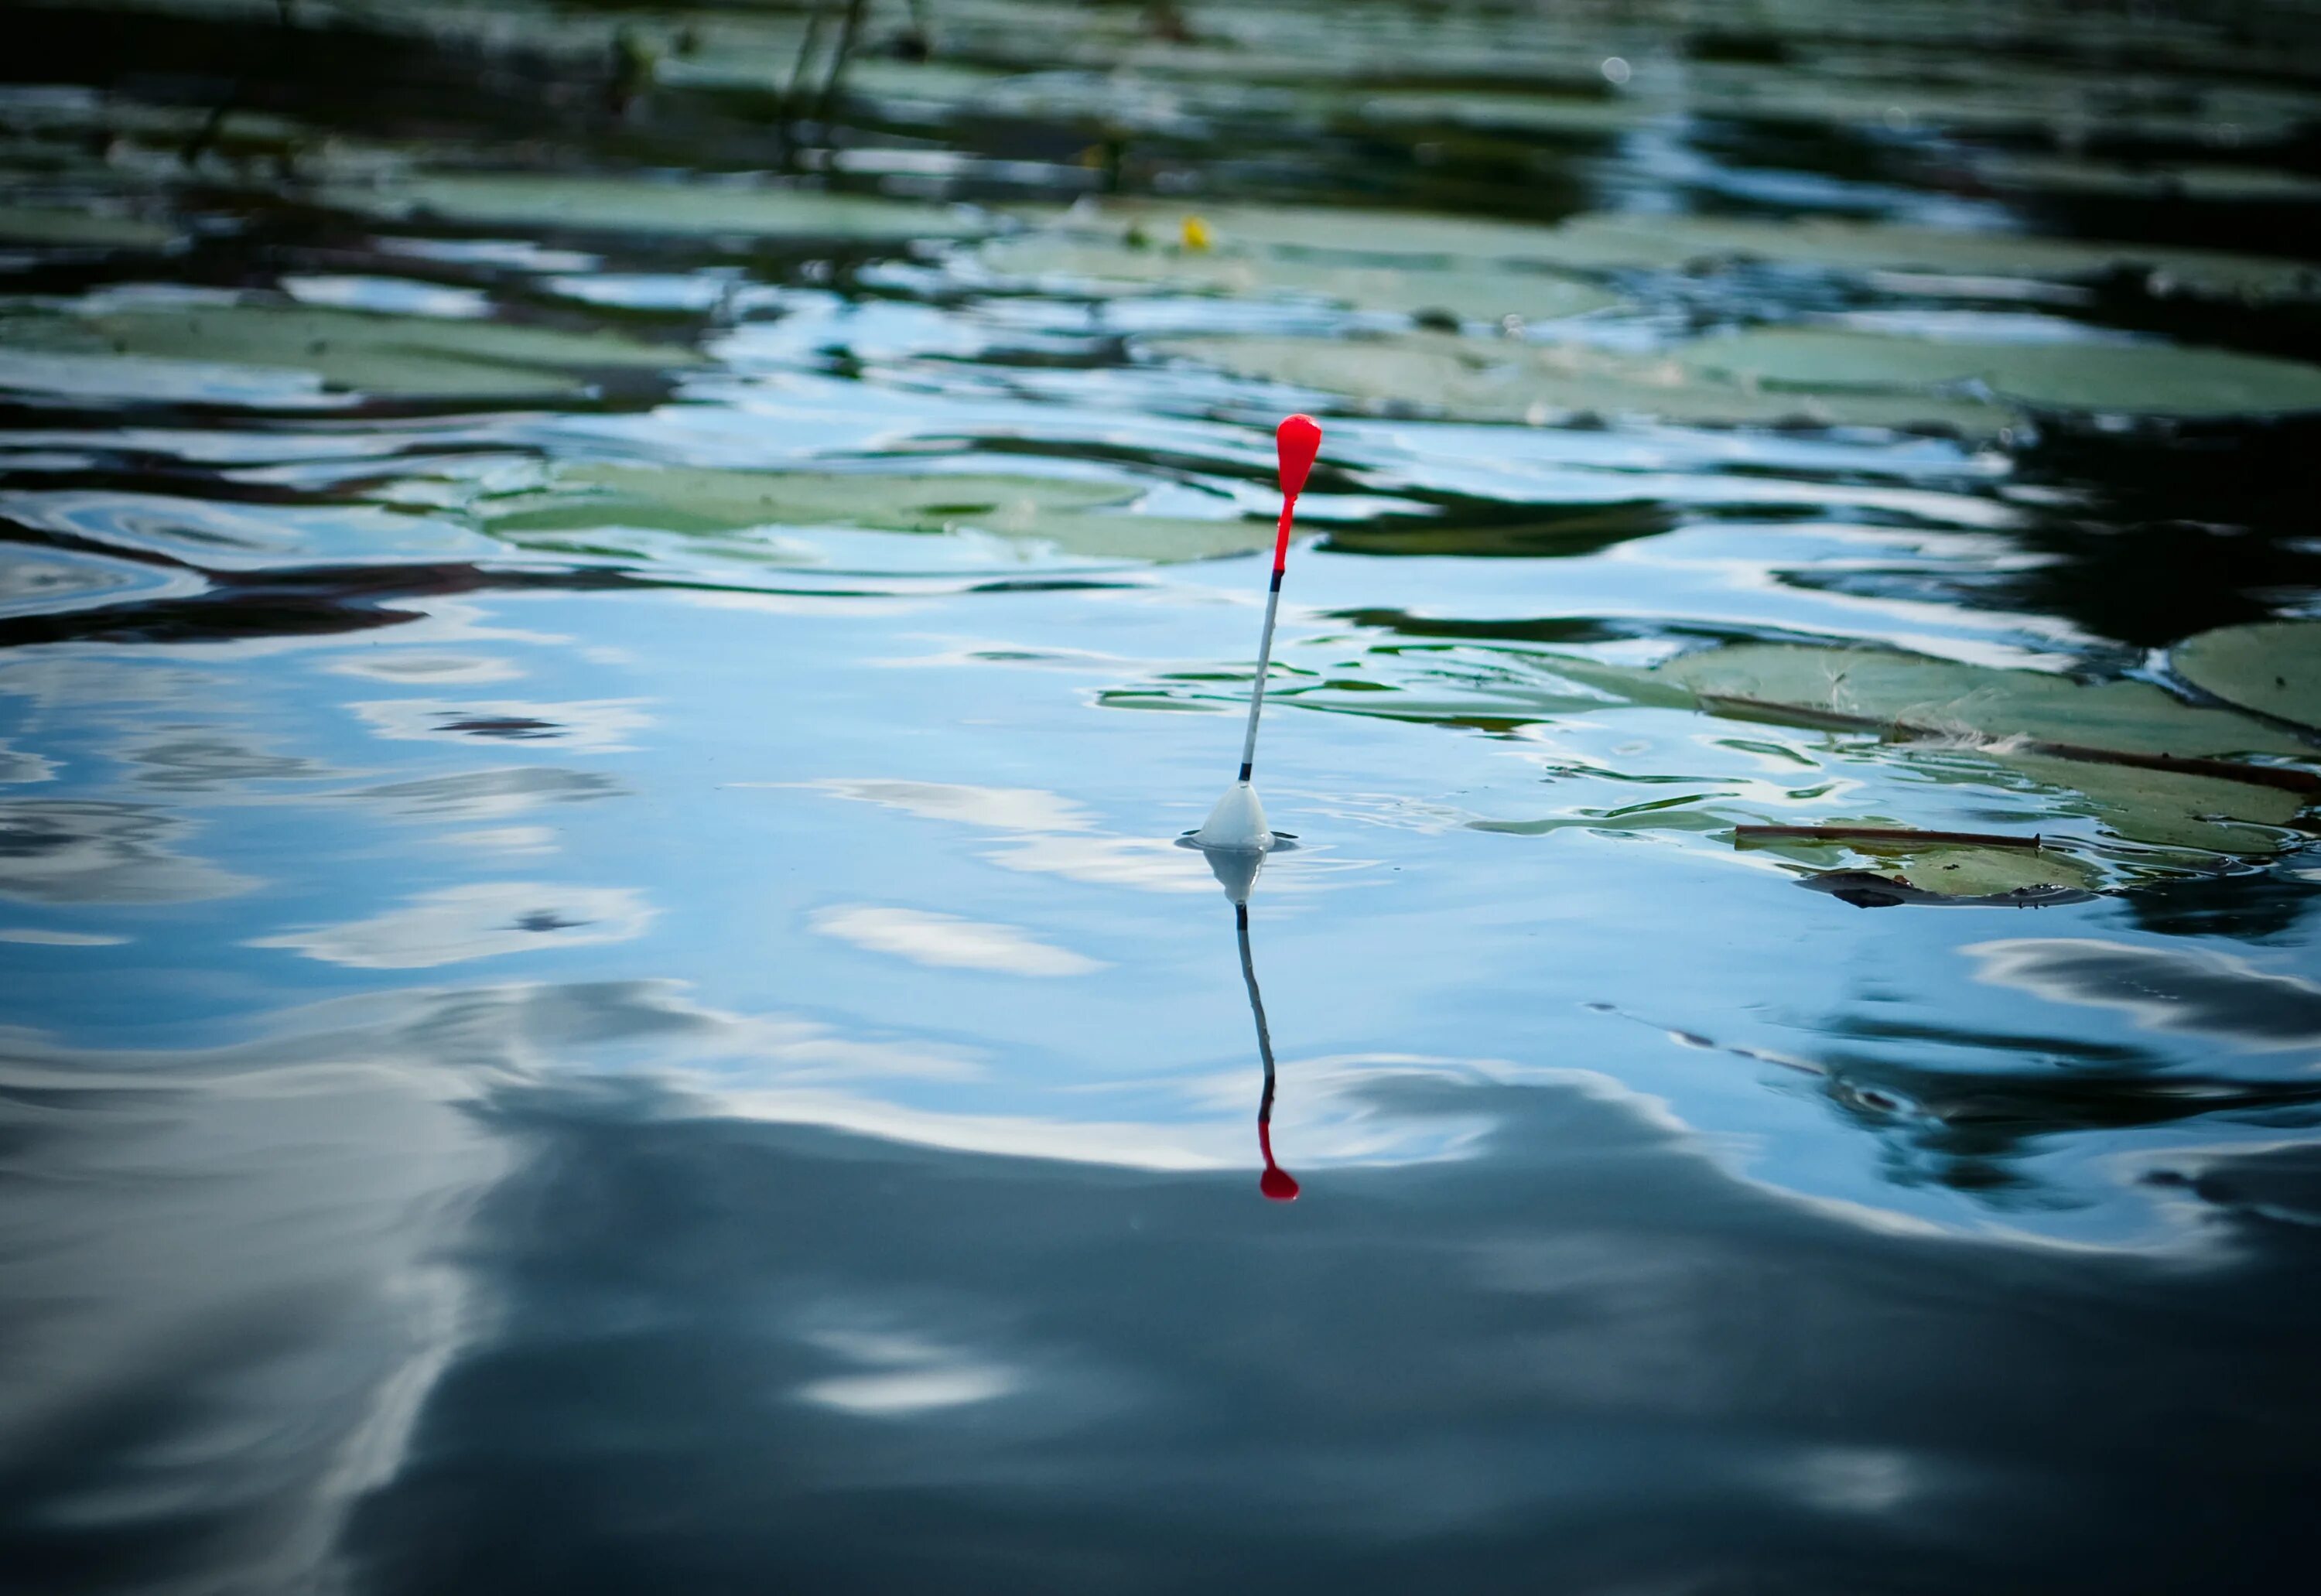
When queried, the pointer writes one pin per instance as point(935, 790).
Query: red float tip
point(1277, 1183)
point(1299, 439)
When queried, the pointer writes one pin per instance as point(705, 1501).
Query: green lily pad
point(2273, 667)
point(2012, 724)
point(2165, 181)
point(692, 209)
point(1520, 533)
point(1814, 377)
point(2168, 809)
point(1969, 747)
point(1879, 686)
point(1998, 97)
point(2132, 378)
point(1502, 113)
point(1469, 293)
point(1669, 242)
point(81, 228)
point(1870, 889)
point(1599, 241)
point(1407, 235)
point(1479, 379)
point(1076, 514)
point(115, 351)
point(1948, 871)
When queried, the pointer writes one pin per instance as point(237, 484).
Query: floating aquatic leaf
point(1078, 515)
point(1867, 888)
point(224, 536)
point(696, 209)
point(1882, 686)
point(1608, 242)
point(138, 380)
point(1448, 241)
point(2149, 769)
point(1469, 293)
point(1505, 379)
point(82, 228)
point(2167, 809)
point(2131, 378)
point(2169, 181)
point(2273, 667)
point(1502, 113)
point(1932, 869)
point(113, 349)
point(1512, 531)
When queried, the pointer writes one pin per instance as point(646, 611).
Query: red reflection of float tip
point(1299, 439)
point(1276, 1182)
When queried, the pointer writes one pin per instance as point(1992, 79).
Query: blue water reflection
point(605, 990)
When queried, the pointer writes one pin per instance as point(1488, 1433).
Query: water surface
point(601, 663)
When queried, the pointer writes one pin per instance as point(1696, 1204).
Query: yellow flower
point(1196, 234)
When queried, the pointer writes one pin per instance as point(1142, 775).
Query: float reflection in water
point(1236, 870)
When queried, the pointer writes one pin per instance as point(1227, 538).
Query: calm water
point(600, 672)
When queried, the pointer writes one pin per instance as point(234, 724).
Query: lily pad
point(1552, 114)
point(1469, 293)
point(1598, 241)
point(692, 209)
point(1407, 235)
point(1505, 379)
point(2168, 809)
point(1516, 531)
point(2132, 379)
point(2008, 724)
point(1879, 686)
point(1870, 889)
point(2168, 180)
point(1077, 516)
point(2273, 667)
point(348, 349)
point(81, 228)
point(1937, 871)
point(1964, 746)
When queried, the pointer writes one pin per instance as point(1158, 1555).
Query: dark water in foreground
point(599, 992)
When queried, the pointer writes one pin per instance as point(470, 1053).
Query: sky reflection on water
point(604, 991)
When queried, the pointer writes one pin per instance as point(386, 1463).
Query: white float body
point(1237, 822)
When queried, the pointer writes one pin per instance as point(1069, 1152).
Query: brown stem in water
point(195, 148)
point(847, 30)
point(794, 98)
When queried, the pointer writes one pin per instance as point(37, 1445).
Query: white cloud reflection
point(1047, 835)
point(406, 665)
point(479, 921)
point(949, 942)
point(995, 809)
point(903, 1375)
point(909, 1391)
point(1149, 864)
point(507, 839)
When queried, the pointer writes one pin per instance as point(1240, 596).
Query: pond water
point(603, 656)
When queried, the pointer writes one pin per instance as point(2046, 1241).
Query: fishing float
point(1236, 822)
